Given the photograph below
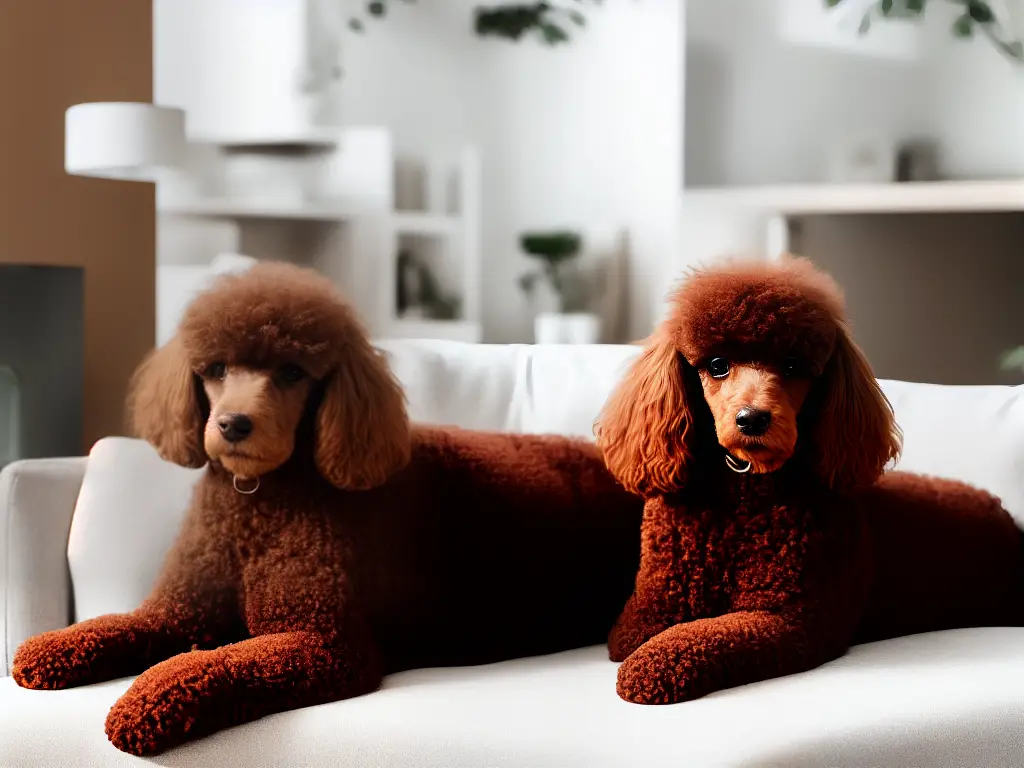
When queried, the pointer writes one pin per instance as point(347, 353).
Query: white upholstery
point(944, 699)
point(128, 512)
point(950, 699)
point(516, 387)
point(36, 499)
point(974, 434)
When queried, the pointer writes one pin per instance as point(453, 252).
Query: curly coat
point(778, 568)
point(371, 547)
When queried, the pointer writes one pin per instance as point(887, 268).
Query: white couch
point(80, 537)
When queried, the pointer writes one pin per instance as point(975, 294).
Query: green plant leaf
point(963, 26)
point(376, 8)
point(577, 18)
point(832, 3)
point(553, 34)
point(980, 11)
point(551, 246)
point(865, 25)
point(1012, 360)
point(914, 6)
point(356, 25)
point(886, 6)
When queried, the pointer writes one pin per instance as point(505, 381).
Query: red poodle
point(327, 543)
point(771, 540)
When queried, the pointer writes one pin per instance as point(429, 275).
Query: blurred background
point(497, 172)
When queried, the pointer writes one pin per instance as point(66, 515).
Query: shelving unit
point(344, 186)
point(719, 221)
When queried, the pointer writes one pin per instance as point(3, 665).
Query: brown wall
point(55, 53)
point(932, 297)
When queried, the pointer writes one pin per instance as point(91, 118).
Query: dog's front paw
point(166, 705)
point(51, 660)
point(651, 676)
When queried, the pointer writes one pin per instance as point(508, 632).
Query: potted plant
point(569, 322)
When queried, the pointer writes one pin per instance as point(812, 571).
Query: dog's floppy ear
point(362, 430)
point(166, 407)
point(856, 433)
point(642, 431)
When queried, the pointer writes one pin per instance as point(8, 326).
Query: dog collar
point(736, 465)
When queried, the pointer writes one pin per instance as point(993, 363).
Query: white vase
point(567, 328)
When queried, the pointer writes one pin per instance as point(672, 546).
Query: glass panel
point(10, 416)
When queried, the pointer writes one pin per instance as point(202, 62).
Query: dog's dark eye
point(215, 371)
point(792, 368)
point(718, 367)
point(290, 374)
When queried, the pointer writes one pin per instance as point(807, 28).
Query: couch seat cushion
point(941, 699)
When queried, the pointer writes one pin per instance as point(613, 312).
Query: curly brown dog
point(771, 540)
point(327, 544)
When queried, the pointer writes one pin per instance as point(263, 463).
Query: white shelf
point(243, 209)
point(315, 138)
point(428, 224)
point(449, 330)
point(909, 197)
point(404, 222)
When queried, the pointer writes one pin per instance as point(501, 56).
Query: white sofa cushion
point(516, 388)
point(943, 699)
point(973, 434)
point(128, 513)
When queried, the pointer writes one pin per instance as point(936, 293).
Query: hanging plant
point(976, 15)
point(512, 21)
point(551, 22)
point(375, 9)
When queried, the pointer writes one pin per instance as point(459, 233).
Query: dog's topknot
point(758, 310)
point(270, 314)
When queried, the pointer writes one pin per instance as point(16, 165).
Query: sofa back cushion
point(132, 502)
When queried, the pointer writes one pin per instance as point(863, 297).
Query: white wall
point(762, 110)
point(586, 136)
point(976, 103)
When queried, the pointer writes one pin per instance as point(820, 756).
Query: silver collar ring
point(732, 463)
point(246, 491)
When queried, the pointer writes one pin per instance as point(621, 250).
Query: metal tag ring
point(736, 465)
point(249, 492)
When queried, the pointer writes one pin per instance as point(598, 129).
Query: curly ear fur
point(855, 433)
point(166, 406)
point(643, 429)
point(362, 430)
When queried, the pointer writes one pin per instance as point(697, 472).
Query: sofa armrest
point(37, 502)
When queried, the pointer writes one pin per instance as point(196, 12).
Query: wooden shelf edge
point(906, 197)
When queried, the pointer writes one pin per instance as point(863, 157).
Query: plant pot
point(567, 328)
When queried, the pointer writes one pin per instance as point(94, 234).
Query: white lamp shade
point(122, 140)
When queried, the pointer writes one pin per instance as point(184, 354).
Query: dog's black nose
point(753, 422)
point(235, 427)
